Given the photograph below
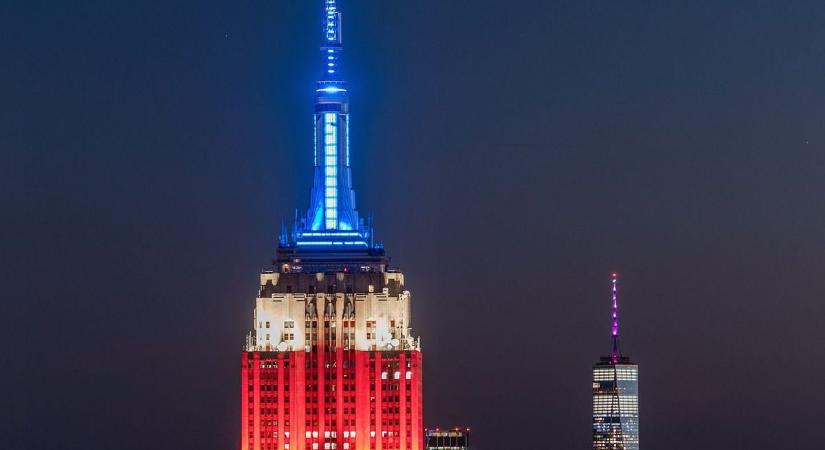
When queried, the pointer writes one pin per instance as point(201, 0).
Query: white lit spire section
point(347, 123)
point(314, 143)
point(330, 171)
point(332, 33)
point(332, 23)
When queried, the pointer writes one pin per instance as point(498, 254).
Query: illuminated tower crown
point(331, 361)
point(331, 223)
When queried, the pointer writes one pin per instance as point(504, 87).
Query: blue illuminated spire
point(331, 220)
point(333, 42)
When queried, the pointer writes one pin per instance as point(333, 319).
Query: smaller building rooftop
point(456, 438)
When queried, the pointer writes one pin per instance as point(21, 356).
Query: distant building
point(615, 395)
point(453, 439)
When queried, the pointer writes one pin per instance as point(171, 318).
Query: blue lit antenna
point(332, 220)
point(333, 42)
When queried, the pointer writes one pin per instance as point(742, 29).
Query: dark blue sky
point(513, 154)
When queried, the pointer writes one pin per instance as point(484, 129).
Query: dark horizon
point(513, 156)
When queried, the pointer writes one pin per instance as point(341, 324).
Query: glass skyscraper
point(615, 395)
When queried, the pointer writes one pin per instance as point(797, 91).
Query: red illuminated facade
point(331, 399)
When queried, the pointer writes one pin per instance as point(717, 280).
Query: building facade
point(615, 394)
point(453, 439)
point(331, 362)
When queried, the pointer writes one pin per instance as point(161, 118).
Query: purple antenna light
point(614, 354)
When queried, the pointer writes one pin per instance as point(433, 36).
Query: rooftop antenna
point(333, 41)
point(615, 354)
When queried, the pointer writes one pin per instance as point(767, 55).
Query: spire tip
point(615, 354)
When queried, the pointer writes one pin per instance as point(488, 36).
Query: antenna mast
point(615, 354)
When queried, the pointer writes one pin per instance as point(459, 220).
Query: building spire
point(615, 355)
point(332, 221)
point(333, 43)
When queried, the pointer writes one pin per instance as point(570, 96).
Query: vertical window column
point(330, 170)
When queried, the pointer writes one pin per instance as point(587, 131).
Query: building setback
point(331, 362)
point(615, 394)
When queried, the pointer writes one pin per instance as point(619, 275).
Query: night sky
point(513, 154)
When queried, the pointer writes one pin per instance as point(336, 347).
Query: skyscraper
point(331, 362)
point(615, 394)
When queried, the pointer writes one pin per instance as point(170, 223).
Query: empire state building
point(331, 362)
